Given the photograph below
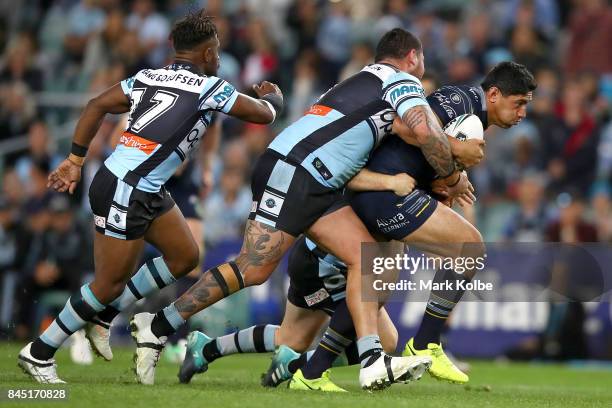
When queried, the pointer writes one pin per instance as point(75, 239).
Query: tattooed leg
point(262, 250)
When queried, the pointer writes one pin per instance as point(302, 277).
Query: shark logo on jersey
point(130, 82)
point(271, 203)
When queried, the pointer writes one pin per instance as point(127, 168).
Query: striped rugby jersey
point(170, 109)
point(335, 137)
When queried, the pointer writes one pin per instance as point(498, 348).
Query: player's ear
point(412, 57)
point(208, 54)
point(493, 94)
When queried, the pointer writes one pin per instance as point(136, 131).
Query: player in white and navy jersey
point(170, 108)
point(297, 188)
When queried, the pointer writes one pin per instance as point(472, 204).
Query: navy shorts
point(394, 217)
point(185, 194)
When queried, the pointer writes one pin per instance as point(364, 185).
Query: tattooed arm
point(423, 124)
point(430, 137)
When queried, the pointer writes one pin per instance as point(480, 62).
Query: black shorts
point(316, 281)
point(391, 216)
point(287, 197)
point(122, 211)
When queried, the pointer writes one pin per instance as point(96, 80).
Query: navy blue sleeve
point(449, 102)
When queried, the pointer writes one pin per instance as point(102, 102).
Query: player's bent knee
point(257, 276)
point(185, 263)
point(193, 260)
point(106, 292)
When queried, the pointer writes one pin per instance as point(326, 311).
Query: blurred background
point(548, 179)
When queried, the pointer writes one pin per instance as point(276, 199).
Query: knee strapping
point(228, 277)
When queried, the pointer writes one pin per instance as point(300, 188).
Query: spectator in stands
point(19, 64)
point(590, 31)
point(527, 48)
point(361, 55)
point(12, 190)
point(306, 87)
point(227, 207)
point(84, 20)
point(601, 204)
point(152, 29)
point(17, 110)
point(334, 42)
point(11, 238)
point(101, 50)
point(528, 223)
point(571, 143)
point(39, 150)
point(262, 62)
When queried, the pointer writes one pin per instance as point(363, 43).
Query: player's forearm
point(88, 124)
point(253, 110)
point(367, 180)
point(210, 145)
point(113, 100)
point(431, 139)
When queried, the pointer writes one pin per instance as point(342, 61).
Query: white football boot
point(387, 370)
point(148, 347)
point(98, 334)
point(42, 371)
point(80, 352)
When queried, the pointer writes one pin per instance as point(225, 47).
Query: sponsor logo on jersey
point(322, 169)
point(319, 110)
point(455, 98)
point(406, 90)
point(227, 91)
point(99, 221)
point(140, 143)
point(317, 297)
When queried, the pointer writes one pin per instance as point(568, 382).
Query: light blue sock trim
point(368, 343)
point(173, 316)
point(269, 332)
point(163, 270)
point(91, 300)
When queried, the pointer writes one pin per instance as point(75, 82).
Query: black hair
point(510, 78)
point(396, 44)
point(191, 31)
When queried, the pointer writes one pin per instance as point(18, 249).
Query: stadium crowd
point(547, 179)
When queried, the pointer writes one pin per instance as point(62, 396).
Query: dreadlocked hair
point(191, 31)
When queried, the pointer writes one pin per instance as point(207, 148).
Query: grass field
point(234, 382)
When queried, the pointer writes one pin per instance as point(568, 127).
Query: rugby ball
point(465, 127)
